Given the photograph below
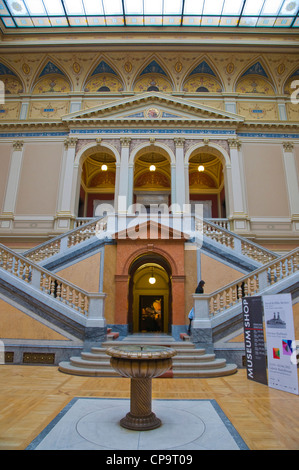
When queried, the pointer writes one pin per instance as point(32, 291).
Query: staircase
point(29, 280)
point(188, 363)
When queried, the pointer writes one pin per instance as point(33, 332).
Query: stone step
point(217, 363)
point(68, 368)
point(174, 344)
point(229, 369)
point(79, 362)
point(195, 356)
point(189, 361)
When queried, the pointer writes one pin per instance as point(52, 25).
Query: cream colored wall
point(216, 274)
point(5, 156)
point(265, 180)
point(39, 180)
point(84, 274)
point(17, 325)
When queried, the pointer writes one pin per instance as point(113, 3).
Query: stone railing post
point(201, 325)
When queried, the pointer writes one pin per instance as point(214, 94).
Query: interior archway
point(206, 183)
point(150, 295)
point(97, 182)
point(152, 178)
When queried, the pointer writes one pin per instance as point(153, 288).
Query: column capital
point(125, 141)
point(18, 144)
point(288, 146)
point(179, 141)
point(234, 143)
point(70, 142)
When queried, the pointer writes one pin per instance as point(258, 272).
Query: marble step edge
point(78, 361)
point(229, 369)
point(199, 356)
point(171, 344)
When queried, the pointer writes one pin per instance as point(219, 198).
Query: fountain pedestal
point(141, 364)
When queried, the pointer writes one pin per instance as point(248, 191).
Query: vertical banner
point(281, 344)
point(254, 339)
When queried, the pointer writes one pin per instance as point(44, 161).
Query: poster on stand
point(281, 344)
point(254, 341)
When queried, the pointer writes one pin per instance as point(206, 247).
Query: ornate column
point(180, 199)
point(12, 187)
point(125, 191)
point(238, 211)
point(291, 174)
point(65, 213)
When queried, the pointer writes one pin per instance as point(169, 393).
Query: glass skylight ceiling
point(196, 13)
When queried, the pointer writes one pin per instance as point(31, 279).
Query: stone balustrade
point(209, 306)
point(90, 305)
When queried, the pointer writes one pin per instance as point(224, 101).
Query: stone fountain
point(141, 364)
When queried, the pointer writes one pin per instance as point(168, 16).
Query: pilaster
point(125, 190)
point(12, 187)
point(65, 214)
point(238, 211)
point(180, 193)
point(292, 183)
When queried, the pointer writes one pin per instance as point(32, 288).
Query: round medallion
point(153, 113)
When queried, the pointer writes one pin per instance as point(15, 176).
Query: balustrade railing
point(215, 231)
point(47, 282)
point(82, 232)
point(233, 241)
point(253, 283)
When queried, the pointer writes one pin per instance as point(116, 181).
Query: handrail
point(53, 247)
point(214, 231)
point(253, 283)
point(46, 282)
point(234, 241)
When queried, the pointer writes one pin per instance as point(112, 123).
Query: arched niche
point(103, 79)
point(153, 78)
point(12, 83)
point(202, 79)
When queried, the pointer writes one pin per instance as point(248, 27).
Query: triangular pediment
point(152, 108)
point(150, 229)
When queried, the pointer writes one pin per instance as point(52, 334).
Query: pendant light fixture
point(152, 279)
point(200, 167)
point(152, 166)
point(104, 167)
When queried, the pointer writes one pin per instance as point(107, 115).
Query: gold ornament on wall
point(26, 69)
point(281, 69)
point(230, 68)
point(128, 67)
point(76, 67)
point(178, 67)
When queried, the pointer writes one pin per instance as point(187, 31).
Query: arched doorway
point(206, 182)
point(152, 178)
point(97, 181)
point(150, 295)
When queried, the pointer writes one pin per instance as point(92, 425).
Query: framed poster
point(281, 344)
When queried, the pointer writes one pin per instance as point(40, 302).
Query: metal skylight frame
point(189, 13)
